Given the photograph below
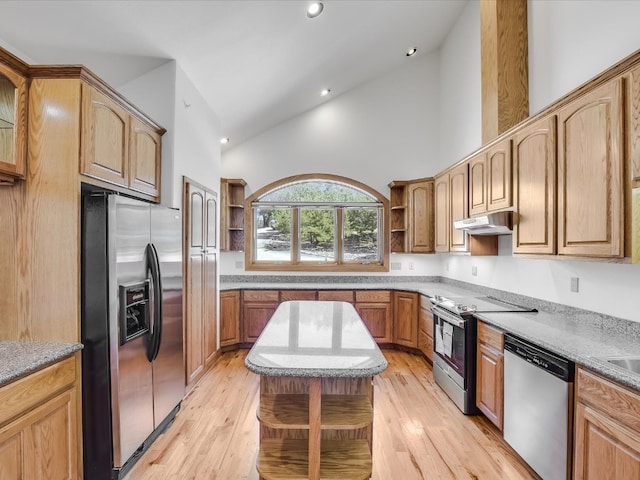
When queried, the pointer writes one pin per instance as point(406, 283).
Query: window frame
point(307, 266)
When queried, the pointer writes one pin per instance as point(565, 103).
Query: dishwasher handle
point(541, 358)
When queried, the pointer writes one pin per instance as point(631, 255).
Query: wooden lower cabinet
point(229, 318)
point(39, 437)
point(315, 428)
point(374, 307)
point(257, 308)
point(490, 373)
point(425, 328)
point(405, 319)
point(607, 429)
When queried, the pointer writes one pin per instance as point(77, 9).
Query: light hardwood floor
point(418, 433)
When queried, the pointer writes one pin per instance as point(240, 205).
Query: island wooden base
point(315, 428)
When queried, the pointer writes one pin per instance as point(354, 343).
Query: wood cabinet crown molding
point(87, 76)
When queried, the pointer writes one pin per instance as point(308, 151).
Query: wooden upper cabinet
point(499, 176)
point(442, 218)
point(105, 138)
point(13, 124)
point(144, 158)
point(634, 123)
point(490, 179)
point(421, 237)
point(478, 184)
point(459, 206)
point(534, 187)
point(117, 147)
point(590, 173)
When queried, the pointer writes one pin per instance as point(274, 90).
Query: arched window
point(316, 222)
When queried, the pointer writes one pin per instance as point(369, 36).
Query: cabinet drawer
point(490, 336)
point(260, 295)
point(286, 295)
point(336, 295)
point(27, 392)
point(373, 296)
point(615, 400)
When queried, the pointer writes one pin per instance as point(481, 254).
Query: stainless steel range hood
point(499, 223)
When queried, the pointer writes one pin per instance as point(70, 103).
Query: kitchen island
point(316, 362)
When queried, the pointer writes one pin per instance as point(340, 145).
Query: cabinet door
point(105, 138)
point(499, 176)
point(405, 319)
point(604, 449)
point(590, 174)
point(425, 329)
point(634, 123)
point(443, 219)
point(144, 158)
point(421, 217)
point(489, 383)
point(43, 444)
point(13, 122)
point(478, 184)
point(210, 307)
point(534, 188)
point(255, 316)
point(229, 318)
point(377, 318)
point(458, 195)
point(195, 287)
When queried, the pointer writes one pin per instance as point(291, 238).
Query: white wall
point(384, 130)
point(569, 43)
point(191, 145)
point(460, 95)
point(572, 41)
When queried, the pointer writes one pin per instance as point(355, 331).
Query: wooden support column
point(315, 395)
point(505, 72)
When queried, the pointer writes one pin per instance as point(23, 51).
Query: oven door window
point(449, 343)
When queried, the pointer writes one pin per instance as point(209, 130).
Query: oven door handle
point(448, 317)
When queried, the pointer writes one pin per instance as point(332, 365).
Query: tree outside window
point(317, 222)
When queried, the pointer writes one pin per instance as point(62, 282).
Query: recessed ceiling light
point(411, 52)
point(325, 92)
point(224, 141)
point(315, 9)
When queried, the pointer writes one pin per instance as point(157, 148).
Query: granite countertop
point(21, 358)
point(584, 337)
point(575, 339)
point(315, 339)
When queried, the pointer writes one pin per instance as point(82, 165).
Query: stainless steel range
point(454, 359)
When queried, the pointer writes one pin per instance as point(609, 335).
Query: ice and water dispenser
point(135, 311)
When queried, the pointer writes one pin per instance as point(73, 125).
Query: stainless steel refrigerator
point(132, 361)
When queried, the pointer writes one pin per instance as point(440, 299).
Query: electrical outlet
point(474, 270)
point(396, 266)
point(575, 284)
point(410, 265)
point(239, 264)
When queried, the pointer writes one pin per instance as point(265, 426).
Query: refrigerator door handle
point(153, 268)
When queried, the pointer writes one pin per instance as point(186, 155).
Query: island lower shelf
point(315, 428)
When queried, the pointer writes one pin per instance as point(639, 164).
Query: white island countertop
point(316, 339)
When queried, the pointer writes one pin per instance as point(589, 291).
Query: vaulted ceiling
point(256, 63)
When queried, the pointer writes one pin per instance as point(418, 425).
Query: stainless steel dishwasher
point(538, 397)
